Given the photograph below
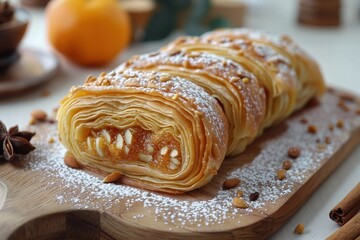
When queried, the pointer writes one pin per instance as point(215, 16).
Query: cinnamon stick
point(350, 231)
point(347, 208)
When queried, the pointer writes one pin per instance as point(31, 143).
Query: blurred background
point(56, 44)
point(48, 46)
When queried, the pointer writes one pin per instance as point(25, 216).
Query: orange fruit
point(88, 32)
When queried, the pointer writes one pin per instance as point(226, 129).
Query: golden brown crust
point(149, 100)
point(236, 89)
point(214, 94)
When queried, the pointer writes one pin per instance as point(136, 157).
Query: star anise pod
point(14, 142)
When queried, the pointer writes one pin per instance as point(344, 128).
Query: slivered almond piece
point(299, 229)
point(71, 161)
point(174, 161)
point(88, 142)
point(128, 136)
point(145, 157)
point(119, 141)
point(112, 177)
point(174, 153)
point(231, 183)
point(150, 149)
point(106, 136)
point(176, 96)
point(172, 166)
point(127, 150)
point(164, 151)
point(239, 203)
point(98, 148)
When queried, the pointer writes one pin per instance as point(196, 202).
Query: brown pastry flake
point(294, 152)
point(51, 140)
point(231, 183)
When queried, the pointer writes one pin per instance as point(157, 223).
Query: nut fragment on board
point(287, 164)
point(299, 229)
point(281, 174)
point(112, 177)
point(231, 183)
point(71, 161)
point(312, 129)
point(254, 196)
point(239, 203)
point(340, 124)
point(294, 152)
point(39, 115)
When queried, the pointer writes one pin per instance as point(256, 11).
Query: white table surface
point(336, 49)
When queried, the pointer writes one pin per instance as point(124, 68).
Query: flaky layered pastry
point(259, 79)
point(161, 132)
point(166, 120)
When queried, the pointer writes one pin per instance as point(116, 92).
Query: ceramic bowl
point(11, 33)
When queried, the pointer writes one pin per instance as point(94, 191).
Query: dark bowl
point(7, 61)
point(11, 33)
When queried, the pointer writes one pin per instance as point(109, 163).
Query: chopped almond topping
point(327, 140)
point(51, 140)
point(234, 79)
point(245, 80)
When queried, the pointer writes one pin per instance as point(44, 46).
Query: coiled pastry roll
point(236, 89)
point(161, 132)
point(261, 81)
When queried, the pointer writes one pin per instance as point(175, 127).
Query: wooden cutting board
point(44, 199)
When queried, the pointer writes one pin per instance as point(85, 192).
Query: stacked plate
point(320, 12)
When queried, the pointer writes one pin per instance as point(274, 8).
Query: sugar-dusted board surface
point(44, 199)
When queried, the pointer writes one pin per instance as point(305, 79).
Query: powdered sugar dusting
point(209, 208)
